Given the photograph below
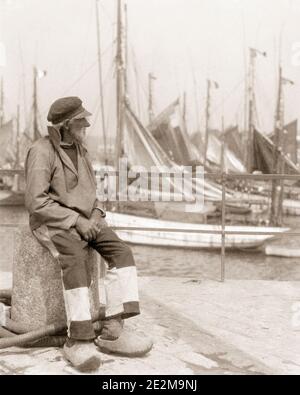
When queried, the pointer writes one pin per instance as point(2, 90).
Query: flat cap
point(67, 108)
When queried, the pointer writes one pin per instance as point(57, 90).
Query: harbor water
point(195, 264)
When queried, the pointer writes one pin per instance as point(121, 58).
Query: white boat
point(136, 143)
point(185, 239)
point(291, 207)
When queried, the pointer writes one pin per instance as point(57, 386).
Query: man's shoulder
point(43, 144)
point(41, 150)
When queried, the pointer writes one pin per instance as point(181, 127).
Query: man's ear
point(66, 124)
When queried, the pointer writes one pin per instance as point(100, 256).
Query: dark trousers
point(120, 283)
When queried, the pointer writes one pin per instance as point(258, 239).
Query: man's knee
point(75, 273)
point(69, 246)
point(127, 253)
point(122, 258)
point(73, 256)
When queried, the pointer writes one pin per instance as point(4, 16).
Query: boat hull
point(185, 239)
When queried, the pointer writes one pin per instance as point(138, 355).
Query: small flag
point(2, 55)
point(286, 81)
point(254, 52)
point(41, 73)
point(214, 84)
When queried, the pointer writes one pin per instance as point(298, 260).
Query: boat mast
point(278, 154)
point(249, 146)
point(2, 103)
point(207, 121)
point(126, 49)
point(276, 210)
point(184, 112)
point(100, 74)
point(17, 162)
point(36, 133)
point(120, 88)
point(251, 107)
point(196, 99)
point(151, 79)
point(210, 84)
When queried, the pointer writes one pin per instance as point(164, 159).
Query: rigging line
point(108, 120)
point(109, 74)
point(41, 123)
point(142, 86)
point(23, 76)
point(137, 90)
point(86, 42)
point(256, 114)
point(107, 14)
point(86, 71)
point(137, 72)
point(269, 101)
point(144, 89)
point(80, 77)
point(95, 106)
point(96, 111)
point(75, 83)
point(29, 121)
point(266, 97)
point(225, 100)
point(235, 118)
point(140, 82)
point(196, 96)
point(245, 46)
point(107, 78)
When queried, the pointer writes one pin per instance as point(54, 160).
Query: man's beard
point(78, 137)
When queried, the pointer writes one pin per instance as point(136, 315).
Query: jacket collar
point(55, 138)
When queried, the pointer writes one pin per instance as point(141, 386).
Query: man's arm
point(42, 208)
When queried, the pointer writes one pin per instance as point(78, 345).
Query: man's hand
point(87, 228)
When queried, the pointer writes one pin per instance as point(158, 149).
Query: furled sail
point(25, 144)
point(264, 153)
point(214, 152)
point(233, 141)
point(169, 132)
point(6, 144)
point(288, 140)
point(142, 149)
point(140, 146)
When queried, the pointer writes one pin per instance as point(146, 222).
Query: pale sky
point(179, 41)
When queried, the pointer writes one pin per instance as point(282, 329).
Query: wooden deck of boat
point(239, 327)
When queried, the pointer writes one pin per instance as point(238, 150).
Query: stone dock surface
point(198, 327)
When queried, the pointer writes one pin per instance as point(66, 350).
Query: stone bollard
point(37, 297)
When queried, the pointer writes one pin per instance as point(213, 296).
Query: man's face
point(77, 129)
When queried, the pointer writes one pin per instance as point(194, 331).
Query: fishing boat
point(140, 147)
point(162, 236)
point(158, 232)
point(138, 144)
point(14, 146)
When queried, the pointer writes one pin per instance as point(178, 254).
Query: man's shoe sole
point(90, 365)
point(128, 344)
